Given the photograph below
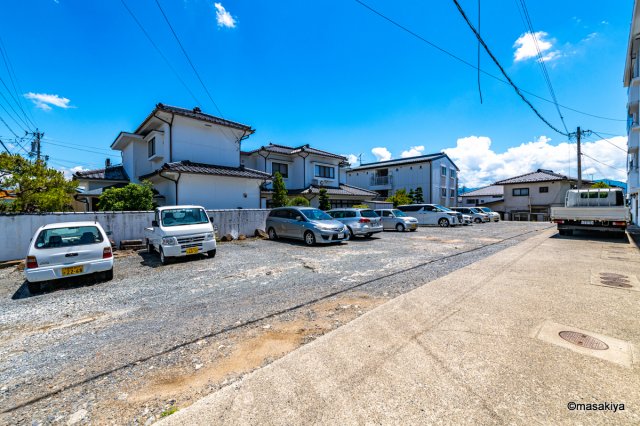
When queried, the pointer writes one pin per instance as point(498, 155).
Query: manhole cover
point(583, 340)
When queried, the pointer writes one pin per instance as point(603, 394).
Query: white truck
point(180, 231)
point(595, 209)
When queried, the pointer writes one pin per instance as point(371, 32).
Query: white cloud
point(526, 47)
point(381, 153)
point(480, 165)
point(45, 101)
point(352, 158)
point(414, 151)
point(69, 171)
point(223, 17)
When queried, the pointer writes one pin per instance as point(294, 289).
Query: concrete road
point(123, 350)
point(545, 332)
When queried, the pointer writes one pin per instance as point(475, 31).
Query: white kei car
point(61, 250)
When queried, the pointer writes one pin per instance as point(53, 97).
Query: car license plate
point(72, 270)
point(192, 250)
point(587, 222)
point(340, 235)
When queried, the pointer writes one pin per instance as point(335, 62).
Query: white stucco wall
point(203, 142)
point(219, 192)
point(555, 196)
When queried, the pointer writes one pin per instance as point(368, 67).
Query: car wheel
point(163, 259)
point(309, 238)
point(150, 248)
point(211, 253)
point(272, 234)
point(477, 220)
point(368, 235)
point(108, 275)
point(350, 233)
point(34, 288)
point(400, 227)
point(444, 222)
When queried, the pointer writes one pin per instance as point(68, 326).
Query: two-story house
point(190, 158)
point(531, 196)
point(491, 196)
point(436, 174)
point(305, 170)
point(631, 81)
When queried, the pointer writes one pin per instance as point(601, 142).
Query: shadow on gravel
point(300, 243)
point(607, 237)
point(23, 291)
point(152, 260)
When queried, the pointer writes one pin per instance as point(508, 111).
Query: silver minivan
point(476, 215)
point(309, 224)
point(432, 214)
point(397, 219)
point(363, 222)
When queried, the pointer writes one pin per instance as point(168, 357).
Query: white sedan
point(62, 250)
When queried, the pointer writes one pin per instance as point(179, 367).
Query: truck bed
point(591, 213)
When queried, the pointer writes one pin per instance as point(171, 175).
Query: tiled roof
point(485, 192)
point(402, 161)
point(197, 114)
point(109, 173)
point(288, 150)
point(341, 190)
point(209, 169)
point(540, 175)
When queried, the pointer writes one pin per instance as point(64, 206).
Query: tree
point(360, 206)
point(299, 201)
point(600, 185)
point(399, 198)
point(133, 197)
point(412, 195)
point(37, 188)
point(280, 196)
point(324, 200)
point(418, 197)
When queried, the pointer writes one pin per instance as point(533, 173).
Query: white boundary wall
point(16, 230)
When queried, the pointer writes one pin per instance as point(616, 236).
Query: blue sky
point(331, 74)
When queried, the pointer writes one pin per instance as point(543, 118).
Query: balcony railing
point(381, 180)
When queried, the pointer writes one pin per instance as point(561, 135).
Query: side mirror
point(154, 223)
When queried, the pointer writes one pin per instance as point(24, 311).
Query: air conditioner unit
point(318, 182)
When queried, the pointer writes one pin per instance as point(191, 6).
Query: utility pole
point(36, 148)
point(579, 159)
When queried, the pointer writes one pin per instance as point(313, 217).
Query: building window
point(325, 172)
point(151, 147)
point(452, 193)
point(443, 170)
point(520, 192)
point(544, 189)
point(453, 173)
point(282, 168)
point(471, 201)
point(443, 192)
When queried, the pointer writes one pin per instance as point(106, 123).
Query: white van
point(432, 214)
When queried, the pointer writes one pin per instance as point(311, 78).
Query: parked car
point(61, 250)
point(305, 223)
point(397, 219)
point(476, 215)
point(432, 214)
point(180, 231)
point(466, 220)
point(360, 222)
point(494, 216)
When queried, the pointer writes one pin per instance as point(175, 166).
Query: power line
point(74, 148)
point(8, 127)
point(106, 151)
point(504, 73)
point(604, 164)
point(469, 64)
point(155, 46)
point(186, 55)
point(526, 19)
point(24, 124)
point(609, 142)
point(11, 73)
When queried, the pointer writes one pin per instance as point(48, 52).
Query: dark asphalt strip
point(257, 320)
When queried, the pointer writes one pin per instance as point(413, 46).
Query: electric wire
point(609, 142)
point(604, 164)
point(13, 78)
point(469, 64)
point(504, 73)
point(8, 127)
point(24, 126)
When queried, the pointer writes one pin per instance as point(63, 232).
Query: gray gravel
point(79, 344)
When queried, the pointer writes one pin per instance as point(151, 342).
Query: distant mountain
point(466, 189)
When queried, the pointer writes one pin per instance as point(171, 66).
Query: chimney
point(107, 163)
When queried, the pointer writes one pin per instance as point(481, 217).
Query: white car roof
point(72, 224)
point(180, 207)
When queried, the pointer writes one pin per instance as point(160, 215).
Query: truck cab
point(595, 209)
point(180, 231)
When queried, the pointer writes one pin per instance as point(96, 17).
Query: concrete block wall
point(16, 230)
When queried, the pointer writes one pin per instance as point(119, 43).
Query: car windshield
point(187, 216)
point(485, 209)
point(315, 214)
point(368, 213)
point(68, 237)
point(399, 213)
point(442, 208)
point(475, 211)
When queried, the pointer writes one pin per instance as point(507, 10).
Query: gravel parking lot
point(157, 337)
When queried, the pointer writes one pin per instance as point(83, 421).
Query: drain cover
point(615, 280)
point(583, 340)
